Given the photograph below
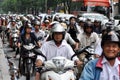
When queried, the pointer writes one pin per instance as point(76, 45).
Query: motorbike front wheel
point(28, 70)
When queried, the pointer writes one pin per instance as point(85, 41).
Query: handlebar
point(86, 50)
point(38, 52)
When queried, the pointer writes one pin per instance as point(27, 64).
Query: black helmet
point(112, 37)
point(88, 24)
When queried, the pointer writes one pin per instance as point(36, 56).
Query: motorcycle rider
point(26, 38)
point(69, 39)
point(107, 67)
point(105, 29)
point(3, 24)
point(73, 28)
point(56, 47)
point(88, 36)
point(12, 25)
point(97, 27)
point(40, 34)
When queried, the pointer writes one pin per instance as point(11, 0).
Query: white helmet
point(57, 28)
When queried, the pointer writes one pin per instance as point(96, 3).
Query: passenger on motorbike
point(55, 47)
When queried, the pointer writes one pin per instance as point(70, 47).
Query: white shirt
point(41, 34)
point(86, 41)
point(110, 72)
point(50, 50)
point(10, 26)
point(19, 23)
point(98, 48)
point(69, 39)
point(81, 30)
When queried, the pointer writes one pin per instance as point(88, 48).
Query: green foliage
point(20, 6)
point(34, 6)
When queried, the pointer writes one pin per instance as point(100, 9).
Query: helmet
point(97, 21)
point(13, 20)
point(57, 28)
point(28, 26)
point(109, 26)
point(88, 24)
point(112, 37)
point(53, 23)
point(117, 28)
point(37, 17)
point(46, 21)
point(81, 19)
point(64, 25)
point(37, 22)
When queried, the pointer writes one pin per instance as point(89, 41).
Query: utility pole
point(119, 6)
point(46, 6)
point(112, 8)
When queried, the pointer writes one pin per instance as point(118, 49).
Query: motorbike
point(26, 64)
point(27, 60)
point(14, 38)
point(14, 71)
point(58, 68)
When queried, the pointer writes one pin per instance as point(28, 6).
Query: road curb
point(4, 67)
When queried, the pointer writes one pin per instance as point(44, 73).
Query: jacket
point(93, 69)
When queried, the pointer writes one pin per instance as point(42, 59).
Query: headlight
point(59, 63)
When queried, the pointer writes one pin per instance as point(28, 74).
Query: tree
point(36, 6)
point(22, 6)
point(9, 5)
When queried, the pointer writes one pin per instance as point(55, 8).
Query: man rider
point(106, 67)
point(56, 47)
